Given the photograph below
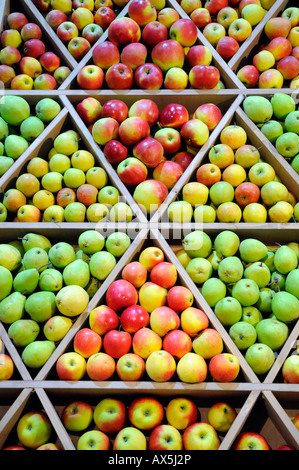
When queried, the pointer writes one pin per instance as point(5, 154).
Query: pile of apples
point(278, 120)
point(45, 286)
point(68, 187)
point(226, 24)
point(149, 50)
point(234, 185)
point(150, 149)
point(148, 327)
point(7, 366)
point(276, 63)
point(252, 288)
point(20, 125)
point(26, 63)
point(79, 23)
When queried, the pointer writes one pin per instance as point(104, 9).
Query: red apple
point(56, 18)
point(121, 294)
point(250, 441)
point(65, 196)
point(45, 81)
point(247, 193)
point(30, 66)
point(87, 342)
point(208, 113)
point(90, 77)
point(199, 55)
point(100, 366)
point(224, 367)
point(179, 298)
point(280, 48)
point(71, 366)
point(133, 129)
point(204, 76)
point(123, 30)
point(103, 319)
point(145, 108)
point(115, 151)
point(208, 174)
point(89, 109)
point(181, 412)
point(201, 17)
point(184, 31)
point(169, 138)
point(31, 31)
point(135, 273)
point(173, 115)
point(132, 171)
point(227, 47)
point(164, 319)
point(285, 447)
point(145, 341)
point(78, 47)
point(116, 109)
point(249, 75)
point(87, 194)
point(168, 172)
point(130, 367)
point(145, 413)
point(104, 16)
point(119, 77)
point(213, 6)
point(177, 343)
point(153, 33)
point(149, 151)
point(7, 73)
point(67, 31)
point(34, 48)
point(134, 55)
point(277, 27)
point(183, 158)
point(117, 343)
point(142, 11)
point(49, 61)
point(105, 54)
point(16, 20)
point(148, 76)
point(288, 67)
point(167, 54)
point(133, 318)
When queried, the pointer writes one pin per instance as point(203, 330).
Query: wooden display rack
point(266, 404)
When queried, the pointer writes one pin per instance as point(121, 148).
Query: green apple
point(292, 122)
point(221, 416)
point(47, 109)
point(74, 177)
point(285, 307)
point(67, 142)
point(296, 212)
point(213, 290)
point(5, 164)
point(287, 144)
point(59, 163)
point(197, 244)
point(292, 283)
point(36, 354)
point(121, 212)
point(285, 259)
point(41, 306)
point(117, 243)
point(61, 254)
point(252, 250)
point(75, 212)
point(91, 241)
point(130, 438)
point(93, 440)
point(14, 110)
point(272, 130)
point(109, 195)
point(6, 282)
point(101, 264)
point(180, 211)
point(84, 160)
point(76, 273)
point(15, 146)
point(31, 128)
point(221, 192)
point(50, 280)
point(282, 104)
point(258, 109)
point(260, 357)
point(71, 301)
point(228, 310)
point(243, 334)
point(12, 307)
point(272, 332)
point(226, 243)
point(246, 291)
point(199, 269)
point(251, 315)
point(34, 429)
point(57, 327)
point(52, 181)
point(230, 269)
point(23, 332)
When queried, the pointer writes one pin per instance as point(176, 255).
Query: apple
point(150, 194)
point(288, 67)
point(221, 415)
point(31, 31)
point(124, 30)
point(226, 16)
point(110, 415)
point(81, 17)
point(181, 412)
point(115, 151)
point(285, 447)
point(142, 11)
point(165, 437)
point(149, 151)
point(152, 296)
point(121, 294)
point(30, 66)
point(200, 436)
point(7, 73)
point(71, 366)
point(146, 109)
point(130, 367)
point(34, 429)
point(224, 367)
point(10, 55)
point(280, 48)
point(21, 82)
point(193, 320)
point(16, 20)
point(145, 413)
point(199, 55)
point(247, 193)
point(173, 115)
point(277, 27)
point(103, 319)
point(177, 343)
point(105, 129)
point(240, 29)
point(294, 36)
point(213, 32)
point(271, 78)
point(208, 174)
point(154, 32)
point(93, 440)
point(249, 75)
point(164, 319)
point(250, 441)
point(89, 109)
point(119, 76)
point(145, 341)
point(195, 133)
point(183, 158)
point(209, 114)
point(78, 47)
point(130, 438)
point(28, 213)
point(184, 31)
point(168, 16)
point(116, 109)
point(208, 343)
point(160, 366)
point(227, 47)
point(55, 18)
point(204, 76)
point(105, 54)
point(148, 76)
point(61, 73)
point(132, 171)
point(135, 273)
point(201, 17)
point(77, 416)
point(100, 366)
point(290, 369)
point(90, 77)
point(117, 343)
point(14, 447)
point(133, 129)
point(87, 342)
point(34, 48)
point(11, 37)
point(104, 16)
point(6, 367)
point(167, 54)
point(164, 274)
point(192, 368)
point(179, 298)
point(49, 61)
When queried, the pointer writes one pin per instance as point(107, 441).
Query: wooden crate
point(265, 406)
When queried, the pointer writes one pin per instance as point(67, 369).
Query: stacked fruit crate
point(122, 245)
